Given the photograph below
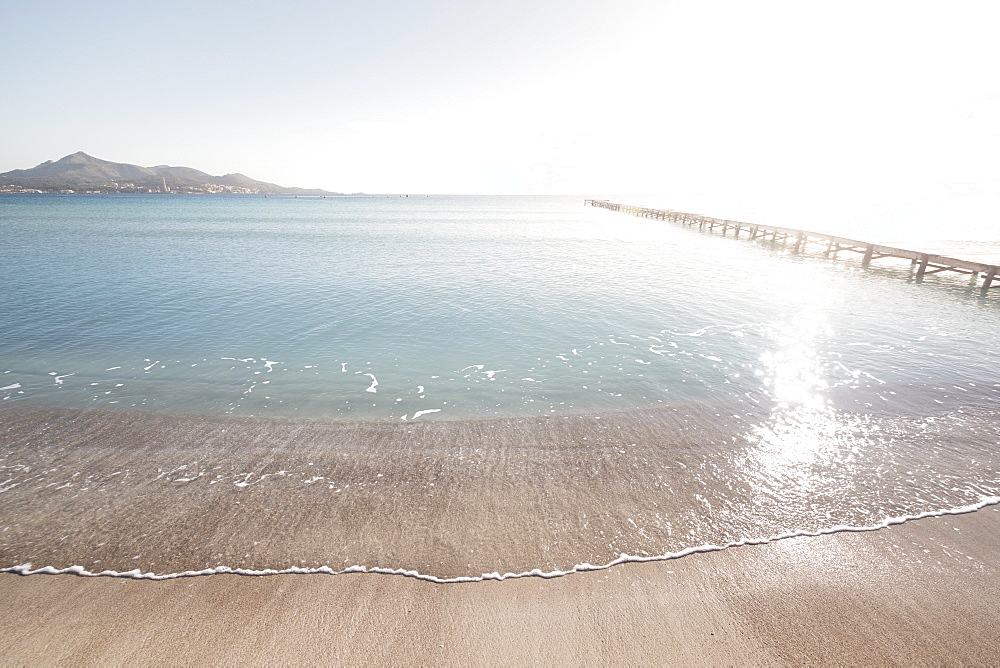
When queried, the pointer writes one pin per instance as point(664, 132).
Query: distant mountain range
point(80, 172)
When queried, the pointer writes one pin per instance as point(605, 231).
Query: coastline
point(166, 494)
point(921, 592)
point(161, 496)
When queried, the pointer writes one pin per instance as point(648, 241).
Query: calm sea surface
point(380, 308)
point(849, 395)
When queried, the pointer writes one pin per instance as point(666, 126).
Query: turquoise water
point(699, 391)
point(454, 307)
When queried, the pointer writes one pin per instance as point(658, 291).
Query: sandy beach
point(921, 593)
point(167, 495)
point(379, 334)
point(170, 494)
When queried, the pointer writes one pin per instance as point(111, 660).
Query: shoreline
point(133, 491)
point(32, 569)
point(155, 496)
point(921, 592)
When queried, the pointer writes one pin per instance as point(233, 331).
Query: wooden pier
point(925, 263)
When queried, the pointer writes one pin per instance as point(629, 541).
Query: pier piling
point(924, 259)
point(988, 281)
point(867, 260)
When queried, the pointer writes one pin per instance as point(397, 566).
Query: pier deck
point(925, 263)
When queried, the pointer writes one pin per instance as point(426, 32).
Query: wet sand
point(167, 494)
point(170, 494)
point(924, 592)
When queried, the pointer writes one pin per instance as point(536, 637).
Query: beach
point(388, 335)
point(164, 496)
point(442, 510)
point(924, 592)
point(481, 430)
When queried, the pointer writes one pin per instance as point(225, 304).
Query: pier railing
point(924, 263)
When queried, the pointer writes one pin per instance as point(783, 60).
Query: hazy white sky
point(816, 105)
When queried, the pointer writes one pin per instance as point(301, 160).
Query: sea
point(461, 388)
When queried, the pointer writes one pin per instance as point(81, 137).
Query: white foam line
point(137, 574)
point(425, 412)
point(370, 388)
point(10, 387)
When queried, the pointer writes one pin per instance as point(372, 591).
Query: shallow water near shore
point(160, 496)
point(458, 386)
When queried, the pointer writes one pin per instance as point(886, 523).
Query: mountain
point(82, 172)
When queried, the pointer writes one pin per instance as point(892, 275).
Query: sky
point(760, 109)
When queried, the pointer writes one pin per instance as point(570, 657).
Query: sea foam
point(138, 574)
